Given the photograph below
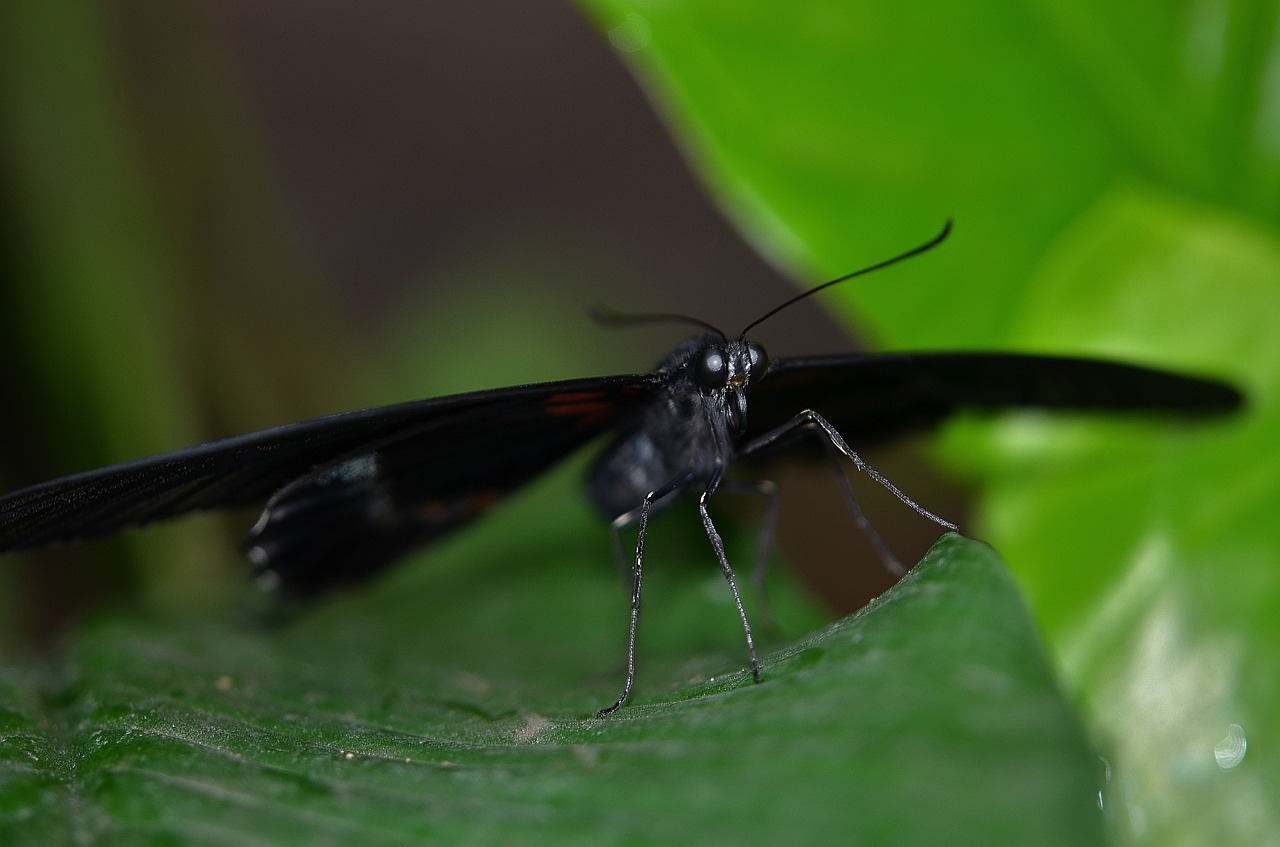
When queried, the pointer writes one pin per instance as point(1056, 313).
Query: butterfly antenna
point(915, 251)
point(608, 317)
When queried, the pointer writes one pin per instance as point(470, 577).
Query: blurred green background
point(226, 215)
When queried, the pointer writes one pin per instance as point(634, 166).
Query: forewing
point(349, 519)
point(247, 469)
point(874, 397)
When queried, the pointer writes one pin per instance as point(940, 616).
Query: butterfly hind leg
point(890, 561)
point(835, 446)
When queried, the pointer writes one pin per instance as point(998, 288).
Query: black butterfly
point(347, 494)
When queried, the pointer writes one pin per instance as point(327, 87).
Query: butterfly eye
point(712, 368)
point(759, 362)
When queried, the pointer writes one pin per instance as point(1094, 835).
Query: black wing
point(874, 397)
point(432, 452)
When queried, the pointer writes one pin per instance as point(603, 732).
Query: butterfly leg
point(890, 561)
point(767, 489)
point(718, 544)
point(811, 421)
point(642, 514)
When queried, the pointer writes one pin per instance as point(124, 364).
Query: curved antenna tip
point(914, 251)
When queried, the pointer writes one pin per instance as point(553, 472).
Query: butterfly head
point(726, 367)
point(723, 367)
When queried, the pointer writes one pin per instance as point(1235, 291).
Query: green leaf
point(460, 713)
point(1164, 618)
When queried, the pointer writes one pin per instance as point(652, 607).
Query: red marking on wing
point(578, 403)
point(437, 512)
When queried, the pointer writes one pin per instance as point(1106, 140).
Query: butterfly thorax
point(687, 431)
